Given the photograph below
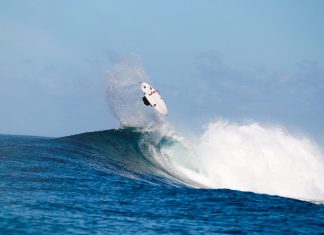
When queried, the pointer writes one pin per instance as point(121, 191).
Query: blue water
point(107, 182)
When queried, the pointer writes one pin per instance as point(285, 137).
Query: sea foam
point(254, 158)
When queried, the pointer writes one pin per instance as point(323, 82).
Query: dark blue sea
point(108, 182)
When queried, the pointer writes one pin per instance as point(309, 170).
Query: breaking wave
point(248, 157)
point(231, 156)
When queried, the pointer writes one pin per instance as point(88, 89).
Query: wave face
point(131, 152)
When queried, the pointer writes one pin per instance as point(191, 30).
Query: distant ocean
point(136, 181)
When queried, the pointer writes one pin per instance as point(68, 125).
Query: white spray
point(124, 96)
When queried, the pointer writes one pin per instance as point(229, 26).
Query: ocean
point(136, 181)
point(147, 177)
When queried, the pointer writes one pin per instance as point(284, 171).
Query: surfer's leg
point(146, 102)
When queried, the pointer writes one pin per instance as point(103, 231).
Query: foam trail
point(258, 159)
point(124, 96)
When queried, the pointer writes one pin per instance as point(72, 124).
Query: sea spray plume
point(261, 159)
point(125, 97)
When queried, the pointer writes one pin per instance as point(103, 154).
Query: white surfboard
point(154, 98)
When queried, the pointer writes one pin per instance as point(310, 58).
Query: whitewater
point(248, 157)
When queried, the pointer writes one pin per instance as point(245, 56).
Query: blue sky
point(237, 60)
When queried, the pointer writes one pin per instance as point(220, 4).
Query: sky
point(229, 59)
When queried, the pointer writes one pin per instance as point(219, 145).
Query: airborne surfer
point(145, 100)
point(153, 98)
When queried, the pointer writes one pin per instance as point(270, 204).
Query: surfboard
point(154, 98)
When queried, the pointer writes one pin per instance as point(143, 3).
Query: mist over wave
point(247, 157)
point(124, 96)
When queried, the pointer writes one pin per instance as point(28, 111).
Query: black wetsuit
point(146, 102)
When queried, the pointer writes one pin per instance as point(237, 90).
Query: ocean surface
point(135, 181)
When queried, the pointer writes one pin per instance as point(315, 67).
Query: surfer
point(153, 98)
